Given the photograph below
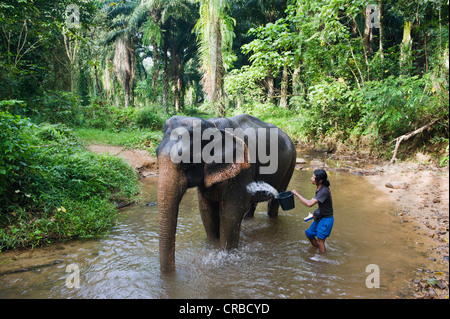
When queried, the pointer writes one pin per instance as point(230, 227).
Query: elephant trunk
point(172, 185)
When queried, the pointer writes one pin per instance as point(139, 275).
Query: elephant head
point(181, 167)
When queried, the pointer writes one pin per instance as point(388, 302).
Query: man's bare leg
point(314, 242)
point(321, 245)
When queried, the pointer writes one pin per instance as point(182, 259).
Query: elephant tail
point(261, 191)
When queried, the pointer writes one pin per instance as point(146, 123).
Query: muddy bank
point(143, 163)
point(421, 198)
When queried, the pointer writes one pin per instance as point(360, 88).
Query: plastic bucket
point(286, 200)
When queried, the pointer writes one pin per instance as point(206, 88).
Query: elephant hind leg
point(209, 212)
point(231, 215)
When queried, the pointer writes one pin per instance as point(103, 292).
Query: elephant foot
point(229, 245)
point(273, 214)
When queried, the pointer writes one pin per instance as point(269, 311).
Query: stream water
point(274, 258)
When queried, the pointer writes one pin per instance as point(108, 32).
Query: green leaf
point(432, 281)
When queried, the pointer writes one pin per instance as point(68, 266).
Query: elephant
point(191, 154)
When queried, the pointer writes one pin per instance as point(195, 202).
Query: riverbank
point(143, 163)
point(420, 195)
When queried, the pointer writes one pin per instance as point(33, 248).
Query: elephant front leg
point(230, 227)
point(209, 212)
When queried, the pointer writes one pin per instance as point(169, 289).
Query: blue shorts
point(320, 229)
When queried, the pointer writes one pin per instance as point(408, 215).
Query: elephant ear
point(233, 159)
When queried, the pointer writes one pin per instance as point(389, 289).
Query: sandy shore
point(421, 197)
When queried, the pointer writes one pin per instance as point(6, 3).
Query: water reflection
point(274, 258)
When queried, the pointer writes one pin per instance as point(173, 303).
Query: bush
point(147, 118)
point(79, 174)
point(96, 116)
point(52, 188)
point(16, 142)
point(382, 109)
point(57, 107)
point(119, 118)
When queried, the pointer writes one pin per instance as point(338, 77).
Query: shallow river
point(274, 258)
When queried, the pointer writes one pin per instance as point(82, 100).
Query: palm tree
point(165, 26)
point(122, 34)
point(215, 35)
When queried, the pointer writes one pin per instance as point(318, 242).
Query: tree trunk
point(296, 83)
point(72, 77)
point(98, 84)
point(165, 91)
point(367, 32)
point(217, 70)
point(180, 88)
point(284, 88)
point(107, 77)
point(124, 67)
point(406, 49)
point(380, 8)
point(177, 78)
point(155, 15)
point(173, 71)
point(156, 59)
point(270, 87)
point(72, 49)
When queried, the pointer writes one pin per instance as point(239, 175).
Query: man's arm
point(306, 202)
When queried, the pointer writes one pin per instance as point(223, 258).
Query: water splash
point(255, 187)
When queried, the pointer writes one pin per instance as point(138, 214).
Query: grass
point(107, 137)
point(141, 139)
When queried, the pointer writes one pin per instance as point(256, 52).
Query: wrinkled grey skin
point(222, 195)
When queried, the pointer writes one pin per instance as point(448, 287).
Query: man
point(321, 228)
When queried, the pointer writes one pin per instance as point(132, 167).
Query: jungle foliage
point(355, 75)
point(347, 69)
point(51, 188)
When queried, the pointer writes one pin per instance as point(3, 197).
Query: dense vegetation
point(52, 188)
point(354, 75)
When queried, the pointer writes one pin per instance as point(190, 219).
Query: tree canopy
point(350, 68)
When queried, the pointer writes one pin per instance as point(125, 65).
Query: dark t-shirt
point(325, 209)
